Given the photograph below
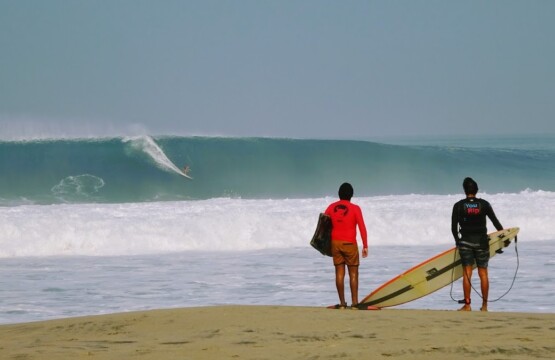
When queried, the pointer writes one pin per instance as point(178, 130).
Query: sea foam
point(226, 224)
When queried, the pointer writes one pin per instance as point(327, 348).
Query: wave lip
point(147, 145)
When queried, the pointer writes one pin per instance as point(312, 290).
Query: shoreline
point(277, 332)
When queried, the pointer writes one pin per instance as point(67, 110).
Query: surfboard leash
point(473, 288)
point(514, 276)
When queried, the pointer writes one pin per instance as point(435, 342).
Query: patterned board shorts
point(469, 255)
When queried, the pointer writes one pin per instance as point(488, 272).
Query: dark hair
point(345, 191)
point(470, 186)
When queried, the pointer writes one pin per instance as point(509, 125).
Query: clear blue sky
point(303, 69)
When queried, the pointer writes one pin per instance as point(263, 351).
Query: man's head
point(345, 191)
point(470, 186)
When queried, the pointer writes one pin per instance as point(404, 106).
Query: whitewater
point(239, 225)
point(108, 225)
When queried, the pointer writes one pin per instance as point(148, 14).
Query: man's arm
point(362, 229)
point(493, 218)
point(455, 224)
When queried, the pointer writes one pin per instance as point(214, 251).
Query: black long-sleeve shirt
point(470, 215)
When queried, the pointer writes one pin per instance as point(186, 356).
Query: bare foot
point(484, 308)
point(466, 307)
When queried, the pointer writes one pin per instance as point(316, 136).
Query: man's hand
point(364, 252)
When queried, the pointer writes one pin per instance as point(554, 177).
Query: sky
point(291, 68)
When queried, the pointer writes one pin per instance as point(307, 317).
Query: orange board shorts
point(344, 252)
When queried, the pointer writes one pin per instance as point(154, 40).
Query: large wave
point(138, 169)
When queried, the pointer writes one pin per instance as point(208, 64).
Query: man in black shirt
point(469, 220)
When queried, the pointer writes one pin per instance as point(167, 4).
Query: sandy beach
point(272, 332)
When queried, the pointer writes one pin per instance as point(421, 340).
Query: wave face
point(143, 169)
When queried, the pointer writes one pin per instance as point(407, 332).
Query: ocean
point(101, 225)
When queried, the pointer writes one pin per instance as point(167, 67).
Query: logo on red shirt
point(342, 209)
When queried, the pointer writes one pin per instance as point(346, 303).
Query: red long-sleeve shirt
point(345, 217)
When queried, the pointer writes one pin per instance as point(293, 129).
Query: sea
point(103, 225)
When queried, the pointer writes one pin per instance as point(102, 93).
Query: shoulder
point(484, 202)
point(458, 203)
point(332, 206)
point(458, 206)
point(357, 210)
point(354, 206)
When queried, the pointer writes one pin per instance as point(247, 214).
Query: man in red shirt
point(345, 217)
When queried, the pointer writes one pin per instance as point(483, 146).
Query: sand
point(274, 332)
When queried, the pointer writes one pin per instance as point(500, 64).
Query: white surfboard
point(431, 275)
point(183, 174)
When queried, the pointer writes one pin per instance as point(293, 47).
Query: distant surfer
point(468, 225)
point(345, 217)
point(186, 169)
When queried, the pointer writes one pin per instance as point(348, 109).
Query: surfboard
point(183, 174)
point(321, 240)
point(368, 307)
point(431, 275)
